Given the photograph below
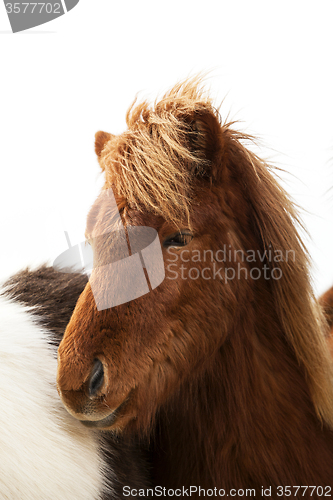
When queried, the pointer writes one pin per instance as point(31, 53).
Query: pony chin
point(45, 453)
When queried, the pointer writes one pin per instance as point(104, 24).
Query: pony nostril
point(96, 378)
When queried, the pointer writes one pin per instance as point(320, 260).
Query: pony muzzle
point(84, 399)
point(87, 401)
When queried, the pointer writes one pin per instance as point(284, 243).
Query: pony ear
point(101, 138)
point(206, 141)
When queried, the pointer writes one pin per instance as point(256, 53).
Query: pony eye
point(180, 239)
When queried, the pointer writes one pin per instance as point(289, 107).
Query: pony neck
point(247, 420)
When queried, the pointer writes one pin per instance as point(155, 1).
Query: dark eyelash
point(180, 239)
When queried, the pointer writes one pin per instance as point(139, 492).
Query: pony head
point(225, 227)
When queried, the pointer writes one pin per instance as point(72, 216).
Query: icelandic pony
point(222, 370)
point(45, 453)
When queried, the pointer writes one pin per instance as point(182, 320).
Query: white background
point(271, 62)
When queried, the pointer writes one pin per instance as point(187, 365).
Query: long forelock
point(155, 162)
point(154, 166)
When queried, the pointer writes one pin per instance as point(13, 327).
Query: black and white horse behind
point(45, 454)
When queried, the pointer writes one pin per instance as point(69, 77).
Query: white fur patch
point(45, 454)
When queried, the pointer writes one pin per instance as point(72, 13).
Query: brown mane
point(156, 136)
point(159, 135)
point(230, 382)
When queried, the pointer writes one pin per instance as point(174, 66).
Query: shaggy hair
point(230, 383)
point(165, 135)
point(154, 165)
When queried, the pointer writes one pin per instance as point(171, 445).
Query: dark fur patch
point(53, 294)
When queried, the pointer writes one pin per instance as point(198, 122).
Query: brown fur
point(229, 384)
